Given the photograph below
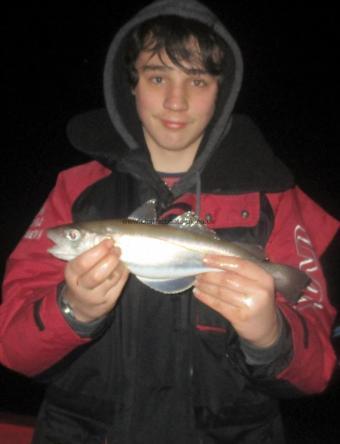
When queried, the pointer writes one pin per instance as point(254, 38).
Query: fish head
point(71, 240)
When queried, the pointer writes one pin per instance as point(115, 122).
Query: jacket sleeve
point(33, 332)
point(301, 233)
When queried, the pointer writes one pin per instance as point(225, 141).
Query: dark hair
point(174, 35)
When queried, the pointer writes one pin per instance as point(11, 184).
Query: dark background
point(52, 60)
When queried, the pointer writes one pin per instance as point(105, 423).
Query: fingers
point(237, 278)
point(98, 260)
point(115, 284)
point(112, 280)
point(108, 268)
point(227, 306)
point(232, 288)
point(248, 269)
point(223, 289)
point(243, 293)
point(95, 281)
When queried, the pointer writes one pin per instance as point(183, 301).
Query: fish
point(167, 257)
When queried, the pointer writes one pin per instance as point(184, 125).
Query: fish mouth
point(57, 251)
point(52, 235)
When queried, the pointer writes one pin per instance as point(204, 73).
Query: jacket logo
point(310, 265)
point(35, 231)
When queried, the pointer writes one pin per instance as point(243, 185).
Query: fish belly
point(158, 259)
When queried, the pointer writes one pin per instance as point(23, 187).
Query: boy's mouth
point(172, 124)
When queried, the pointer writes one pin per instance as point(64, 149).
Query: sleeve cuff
point(265, 356)
point(83, 329)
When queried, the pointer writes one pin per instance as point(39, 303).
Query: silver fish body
point(166, 258)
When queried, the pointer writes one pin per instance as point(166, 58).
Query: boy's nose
point(176, 99)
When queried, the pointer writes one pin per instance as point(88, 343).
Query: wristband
point(83, 329)
point(65, 307)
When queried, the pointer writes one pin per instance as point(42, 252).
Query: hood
point(115, 135)
point(120, 103)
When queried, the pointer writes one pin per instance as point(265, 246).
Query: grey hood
point(114, 136)
point(117, 92)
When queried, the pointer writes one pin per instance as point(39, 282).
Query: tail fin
point(288, 280)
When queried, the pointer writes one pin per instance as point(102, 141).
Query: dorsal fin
point(190, 221)
point(146, 213)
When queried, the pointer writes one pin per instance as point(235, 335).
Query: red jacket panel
point(27, 344)
point(301, 234)
point(296, 240)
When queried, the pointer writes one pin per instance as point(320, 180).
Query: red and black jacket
point(169, 366)
point(167, 369)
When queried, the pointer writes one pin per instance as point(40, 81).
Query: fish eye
point(73, 234)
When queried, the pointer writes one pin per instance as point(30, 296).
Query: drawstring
point(198, 194)
point(163, 204)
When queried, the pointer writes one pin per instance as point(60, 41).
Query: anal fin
point(168, 286)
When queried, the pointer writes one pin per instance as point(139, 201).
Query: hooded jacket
point(169, 369)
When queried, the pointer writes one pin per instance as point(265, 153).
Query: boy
point(124, 363)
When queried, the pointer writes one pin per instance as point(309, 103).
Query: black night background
point(52, 59)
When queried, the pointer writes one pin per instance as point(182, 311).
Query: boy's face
point(174, 107)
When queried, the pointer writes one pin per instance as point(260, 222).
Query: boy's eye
point(157, 80)
point(199, 83)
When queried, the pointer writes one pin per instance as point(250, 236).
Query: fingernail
point(116, 250)
point(114, 276)
point(109, 243)
point(229, 265)
point(227, 262)
point(209, 260)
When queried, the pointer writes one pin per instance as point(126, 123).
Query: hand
point(94, 281)
point(244, 294)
